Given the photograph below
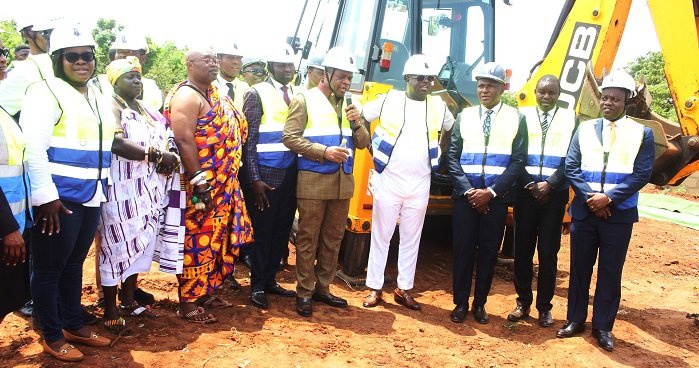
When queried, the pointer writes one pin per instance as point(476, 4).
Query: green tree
point(10, 37)
point(509, 98)
point(651, 66)
point(104, 35)
point(166, 65)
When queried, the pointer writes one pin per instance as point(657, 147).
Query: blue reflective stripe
point(78, 158)
point(21, 219)
point(609, 178)
point(280, 160)
point(328, 167)
point(270, 137)
point(549, 161)
point(382, 146)
point(13, 187)
point(493, 159)
point(77, 190)
point(476, 182)
point(326, 140)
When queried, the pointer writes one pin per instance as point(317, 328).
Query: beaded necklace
point(149, 119)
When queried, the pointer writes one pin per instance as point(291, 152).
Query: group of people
point(239, 148)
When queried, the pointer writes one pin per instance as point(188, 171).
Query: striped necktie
point(545, 123)
point(486, 123)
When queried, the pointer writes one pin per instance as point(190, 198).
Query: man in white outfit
point(405, 149)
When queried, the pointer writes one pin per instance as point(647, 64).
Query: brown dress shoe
point(94, 340)
point(372, 299)
point(403, 298)
point(66, 353)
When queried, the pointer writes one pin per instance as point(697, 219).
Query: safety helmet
point(229, 48)
point(67, 35)
point(38, 24)
point(315, 61)
point(620, 79)
point(250, 60)
point(129, 40)
point(284, 55)
point(492, 70)
point(418, 65)
point(340, 58)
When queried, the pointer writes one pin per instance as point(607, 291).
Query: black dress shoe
point(330, 300)
point(545, 319)
point(304, 307)
point(259, 299)
point(279, 290)
point(518, 313)
point(247, 259)
point(88, 318)
point(235, 285)
point(143, 297)
point(479, 314)
point(570, 328)
point(604, 339)
point(458, 315)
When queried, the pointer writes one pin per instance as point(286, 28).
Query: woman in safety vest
point(69, 155)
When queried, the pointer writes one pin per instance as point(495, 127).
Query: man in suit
point(271, 175)
point(486, 153)
point(541, 197)
point(323, 131)
point(609, 161)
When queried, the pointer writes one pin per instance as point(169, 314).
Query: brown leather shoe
point(94, 340)
point(67, 352)
point(403, 298)
point(372, 299)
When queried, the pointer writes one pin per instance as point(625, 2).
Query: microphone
point(348, 101)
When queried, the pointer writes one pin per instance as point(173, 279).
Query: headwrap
point(119, 67)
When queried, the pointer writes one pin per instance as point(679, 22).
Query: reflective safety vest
point(151, 96)
point(604, 171)
point(271, 151)
point(80, 151)
point(392, 119)
point(323, 127)
point(484, 162)
point(546, 154)
point(14, 180)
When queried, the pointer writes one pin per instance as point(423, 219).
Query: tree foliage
point(651, 66)
point(509, 98)
point(104, 35)
point(166, 65)
point(10, 38)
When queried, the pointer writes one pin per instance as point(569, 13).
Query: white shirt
point(278, 86)
point(25, 72)
point(411, 148)
point(39, 114)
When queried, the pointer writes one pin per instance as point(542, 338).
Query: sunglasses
point(73, 57)
point(5, 52)
point(422, 78)
point(259, 72)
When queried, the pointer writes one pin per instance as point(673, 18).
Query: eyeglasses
point(258, 72)
point(209, 61)
point(421, 78)
point(73, 57)
point(46, 34)
point(4, 52)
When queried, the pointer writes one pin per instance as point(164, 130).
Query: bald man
point(209, 133)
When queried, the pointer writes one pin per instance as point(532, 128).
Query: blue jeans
point(57, 270)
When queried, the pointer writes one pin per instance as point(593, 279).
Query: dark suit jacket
point(642, 169)
point(504, 184)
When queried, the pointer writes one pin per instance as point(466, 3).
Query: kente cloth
point(142, 219)
point(213, 238)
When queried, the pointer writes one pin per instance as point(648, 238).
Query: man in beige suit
point(321, 129)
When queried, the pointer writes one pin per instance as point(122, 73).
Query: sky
point(522, 30)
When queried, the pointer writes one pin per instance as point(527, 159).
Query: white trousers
point(390, 204)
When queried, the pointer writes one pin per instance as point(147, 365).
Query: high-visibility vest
point(392, 119)
point(484, 163)
point(271, 151)
point(13, 177)
point(547, 153)
point(604, 171)
point(323, 127)
point(80, 151)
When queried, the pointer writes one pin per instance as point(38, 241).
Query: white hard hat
point(284, 55)
point(620, 79)
point(492, 70)
point(38, 24)
point(340, 58)
point(229, 48)
point(129, 40)
point(66, 35)
point(418, 65)
point(316, 61)
point(250, 60)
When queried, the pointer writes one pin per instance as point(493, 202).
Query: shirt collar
point(495, 108)
point(277, 85)
point(222, 81)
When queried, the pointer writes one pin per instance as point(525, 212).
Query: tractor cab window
point(354, 33)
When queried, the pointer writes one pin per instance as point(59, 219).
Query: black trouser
point(543, 223)
point(272, 226)
point(474, 230)
point(611, 240)
point(57, 269)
